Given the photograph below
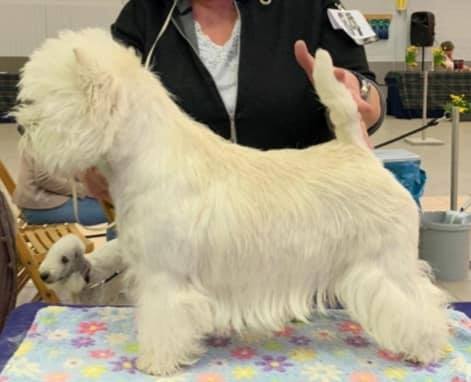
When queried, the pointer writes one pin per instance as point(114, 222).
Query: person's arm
point(128, 27)
point(56, 184)
point(350, 57)
point(96, 185)
point(368, 109)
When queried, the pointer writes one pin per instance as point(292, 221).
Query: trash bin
point(446, 246)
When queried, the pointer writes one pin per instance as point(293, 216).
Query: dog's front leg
point(172, 318)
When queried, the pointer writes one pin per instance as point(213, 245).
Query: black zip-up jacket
point(276, 103)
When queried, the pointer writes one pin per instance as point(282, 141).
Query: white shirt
point(222, 61)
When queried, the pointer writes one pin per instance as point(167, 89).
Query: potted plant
point(438, 58)
point(462, 103)
point(411, 57)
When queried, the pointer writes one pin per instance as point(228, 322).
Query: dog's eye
point(64, 260)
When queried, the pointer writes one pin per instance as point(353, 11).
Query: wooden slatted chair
point(6, 179)
point(33, 242)
point(109, 211)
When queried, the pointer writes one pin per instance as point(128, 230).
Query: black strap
point(433, 122)
point(111, 277)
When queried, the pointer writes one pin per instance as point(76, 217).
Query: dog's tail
point(343, 110)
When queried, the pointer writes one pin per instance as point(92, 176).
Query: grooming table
point(68, 344)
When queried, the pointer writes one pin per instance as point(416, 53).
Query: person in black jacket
point(240, 67)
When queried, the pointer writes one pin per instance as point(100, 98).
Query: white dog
point(97, 278)
point(221, 237)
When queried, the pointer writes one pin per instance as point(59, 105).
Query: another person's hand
point(369, 113)
point(96, 184)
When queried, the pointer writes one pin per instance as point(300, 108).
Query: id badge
point(354, 24)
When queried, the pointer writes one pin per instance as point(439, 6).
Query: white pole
point(423, 140)
point(424, 105)
point(455, 140)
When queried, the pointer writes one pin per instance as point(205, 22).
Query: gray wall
point(43, 18)
point(24, 24)
point(452, 23)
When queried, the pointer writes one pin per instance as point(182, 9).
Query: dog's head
point(75, 93)
point(65, 257)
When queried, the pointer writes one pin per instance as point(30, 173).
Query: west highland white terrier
point(221, 237)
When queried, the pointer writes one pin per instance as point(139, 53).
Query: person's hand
point(96, 184)
point(367, 111)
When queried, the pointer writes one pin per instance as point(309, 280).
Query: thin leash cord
point(162, 31)
point(107, 280)
point(433, 122)
point(76, 211)
point(94, 228)
point(147, 65)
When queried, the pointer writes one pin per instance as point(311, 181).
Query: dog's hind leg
point(399, 307)
point(172, 318)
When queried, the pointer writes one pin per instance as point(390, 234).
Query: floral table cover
point(67, 344)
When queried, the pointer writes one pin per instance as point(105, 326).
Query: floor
point(436, 161)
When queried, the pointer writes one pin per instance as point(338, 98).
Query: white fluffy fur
point(222, 237)
point(67, 280)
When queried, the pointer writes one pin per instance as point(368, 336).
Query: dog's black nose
point(44, 276)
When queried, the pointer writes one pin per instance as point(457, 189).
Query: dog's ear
point(82, 58)
point(100, 85)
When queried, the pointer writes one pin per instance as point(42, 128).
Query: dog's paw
point(426, 357)
point(148, 364)
point(151, 363)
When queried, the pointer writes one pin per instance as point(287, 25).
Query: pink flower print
point(33, 332)
point(466, 323)
point(91, 327)
point(389, 356)
point(278, 363)
point(324, 335)
point(243, 353)
point(101, 354)
point(350, 327)
point(287, 331)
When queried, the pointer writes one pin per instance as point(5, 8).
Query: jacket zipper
point(232, 117)
point(232, 124)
